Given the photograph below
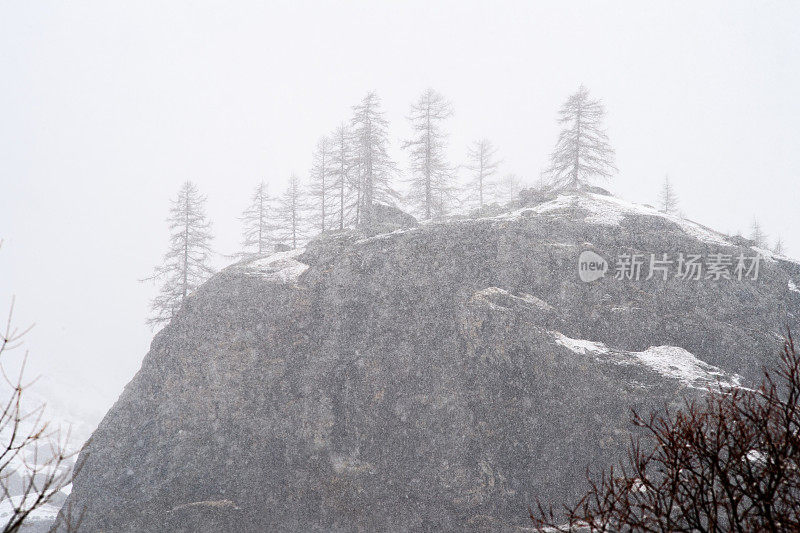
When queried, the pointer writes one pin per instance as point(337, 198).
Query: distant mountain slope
point(70, 412)
point(438, 377)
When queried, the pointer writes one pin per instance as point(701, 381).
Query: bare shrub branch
point(35, 463)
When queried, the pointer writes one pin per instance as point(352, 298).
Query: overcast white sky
point(106, 107)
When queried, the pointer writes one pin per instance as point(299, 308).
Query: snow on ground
point(281, 267)
point(793, 286)
point(670, 361)
point(45, 512)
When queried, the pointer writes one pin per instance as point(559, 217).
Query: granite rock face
point(389, 215)
point(437, 377)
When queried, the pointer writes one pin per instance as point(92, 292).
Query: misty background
point(106, 108)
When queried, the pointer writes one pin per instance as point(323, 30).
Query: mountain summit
point(434, 377)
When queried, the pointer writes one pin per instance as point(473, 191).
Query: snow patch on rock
point(793, 286)
point(385, 236)
point(756, 458)
point(497, 298)
point(680, 364)
point(669, 361)
point(580, 346)
point(281, 267)
point(610, 211)
point(765, 254)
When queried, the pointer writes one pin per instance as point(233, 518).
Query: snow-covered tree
point(778, 248)
point(291, 211)
point(372, 166)
point(482, 164)
point(341, 165)
point(186, 263)
point(431, 176)
point(321, 187)
point(258, 224)
point(668, 200)
point(757, 235)
point(508, 188)
point(582, 151)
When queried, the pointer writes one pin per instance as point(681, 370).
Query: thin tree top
point(582, 150)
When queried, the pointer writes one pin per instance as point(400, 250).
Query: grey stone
point(414, 381)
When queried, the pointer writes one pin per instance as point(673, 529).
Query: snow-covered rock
point(421, 379)
point(611, 211)
point(669, 361)
point(280, 267)
point(579, 346)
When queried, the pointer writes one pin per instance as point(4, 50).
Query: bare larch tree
point(321, 182)
point(482, 164)
point(431, 177)
point(778, 248)
point(508, 187)
point(258, 223)
point(668, 200)
point(186, 263)
point(757, 235)
point(291, 212)
point(582, 151)
point(341, 164)
point(372, 165)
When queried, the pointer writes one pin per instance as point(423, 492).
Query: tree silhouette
point(582, 150)
point(668, 201)
point(291, 211)
point(258, 222)
point(321, 187)
point(343, 180)
point(757, 235)
point(372, 164)
point(431, 176)
point(482, 165)
point(186, 263)
point(508, 188)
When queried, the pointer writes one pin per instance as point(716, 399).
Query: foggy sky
point(107, 107)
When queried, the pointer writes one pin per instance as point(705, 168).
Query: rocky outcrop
point(437, 377)
point(390, 217)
